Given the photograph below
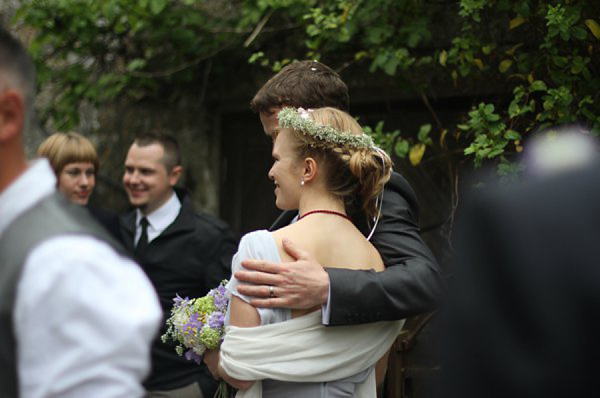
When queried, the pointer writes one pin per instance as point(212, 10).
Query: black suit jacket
point(109, 220)
point(412, 281)
point(190, 257)
point(525, 296)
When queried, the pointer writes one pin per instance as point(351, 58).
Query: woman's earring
point(302, 182)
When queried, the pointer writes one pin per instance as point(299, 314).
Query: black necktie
point(143, 241)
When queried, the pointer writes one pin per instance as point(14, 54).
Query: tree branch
point(258, 28)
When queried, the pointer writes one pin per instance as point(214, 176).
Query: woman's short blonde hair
point(64, 148)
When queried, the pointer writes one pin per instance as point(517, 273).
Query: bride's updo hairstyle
point(354, 168)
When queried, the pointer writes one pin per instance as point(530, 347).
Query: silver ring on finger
point(272, 291)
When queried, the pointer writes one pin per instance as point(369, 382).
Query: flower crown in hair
point(299, 119)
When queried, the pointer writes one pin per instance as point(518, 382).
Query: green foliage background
point(543, 54)
point(533, 63)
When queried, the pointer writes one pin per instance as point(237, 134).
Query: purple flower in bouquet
point(216, 320)
point(220, 297)
point(198, 324)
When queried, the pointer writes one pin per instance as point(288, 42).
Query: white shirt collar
point(37, 182)
point(159, 219)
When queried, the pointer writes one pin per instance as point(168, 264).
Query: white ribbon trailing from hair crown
point(300, 120)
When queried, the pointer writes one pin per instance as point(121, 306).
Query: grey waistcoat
point(51, 217)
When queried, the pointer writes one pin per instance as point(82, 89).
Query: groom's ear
point(310, 169)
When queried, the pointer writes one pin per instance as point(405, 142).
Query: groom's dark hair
point(306, 84)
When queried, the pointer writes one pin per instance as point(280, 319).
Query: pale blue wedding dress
point(261, 245)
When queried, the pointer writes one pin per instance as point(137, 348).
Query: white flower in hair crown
point(299, 119)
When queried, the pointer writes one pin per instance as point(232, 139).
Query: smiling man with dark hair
point(182, 251)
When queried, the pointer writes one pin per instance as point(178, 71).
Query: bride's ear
point(310, 170)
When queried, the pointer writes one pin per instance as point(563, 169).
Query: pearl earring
point(302, 182)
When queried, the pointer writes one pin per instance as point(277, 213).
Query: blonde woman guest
point(322, 160)
point(75, 163)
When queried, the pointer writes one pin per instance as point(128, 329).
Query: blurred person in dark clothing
point(526, 289)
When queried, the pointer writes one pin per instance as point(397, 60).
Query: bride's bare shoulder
point(304, 236)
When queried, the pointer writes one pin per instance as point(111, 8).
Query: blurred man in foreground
point(76, 316)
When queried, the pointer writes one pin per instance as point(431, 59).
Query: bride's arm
point(211, 359)
point(242, 314)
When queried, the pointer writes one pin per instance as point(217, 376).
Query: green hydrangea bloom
point(210, 337)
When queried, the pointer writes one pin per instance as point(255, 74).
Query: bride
point(324, 166)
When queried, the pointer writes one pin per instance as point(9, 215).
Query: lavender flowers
point(198, 324)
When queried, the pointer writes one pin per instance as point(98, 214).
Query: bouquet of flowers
point(197, 325)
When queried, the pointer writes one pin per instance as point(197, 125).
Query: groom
point(412, 281)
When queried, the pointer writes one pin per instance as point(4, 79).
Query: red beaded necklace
point(335, 213)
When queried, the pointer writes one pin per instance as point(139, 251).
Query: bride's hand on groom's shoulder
point(300, 284)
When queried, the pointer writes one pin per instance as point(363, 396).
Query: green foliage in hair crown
point(300, 120)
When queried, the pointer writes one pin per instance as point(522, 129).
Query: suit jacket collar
point(400, 185)
point(160, 218)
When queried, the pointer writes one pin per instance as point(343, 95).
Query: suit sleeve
point(412, 281)
point(222, 247)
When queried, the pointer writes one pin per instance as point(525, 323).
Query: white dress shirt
point(84, 316)
point(159, 219)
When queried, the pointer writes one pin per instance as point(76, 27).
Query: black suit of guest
point(368, 296)
point(190, 257)
point(522, 315)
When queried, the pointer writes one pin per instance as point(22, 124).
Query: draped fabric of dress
point(300, 357)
